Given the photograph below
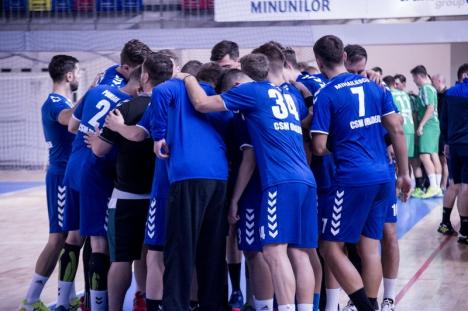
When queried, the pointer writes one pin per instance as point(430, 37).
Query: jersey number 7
point(359, 91)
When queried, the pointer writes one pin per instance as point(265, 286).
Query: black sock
point(360, 300)
point(193, 304)
point(98, 268)
point(464, 225)
point(69, 262)
point(374, 303)
point(447, 211)
point(419, 182)
point(153, 305)
point(234, 274)
point(86, 256)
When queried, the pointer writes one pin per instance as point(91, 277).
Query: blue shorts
point(288, 215)
point(248, 233)
point(355, 211)
point(155, 236)
point(71, 215)
point(95, 192)
point(392, 207)
point(322, 202)
point(56, 201)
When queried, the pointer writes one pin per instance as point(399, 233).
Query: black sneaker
point(462, 239)
point(446, 229)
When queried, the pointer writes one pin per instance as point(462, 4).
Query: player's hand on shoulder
point(96, 79)
point(181, 75)
point(161, 149)
point(373, 76)
point(114, 119)
point(233, 214)
point(404, 185)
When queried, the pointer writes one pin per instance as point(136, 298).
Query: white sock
point(263, 305)
point(432, 180)
point(389, 288)
point(438, 179)
point(305, 307)
point(63, 298)
point(36, 287)
point(287, 308)
point(333, 299)
point(98, 300)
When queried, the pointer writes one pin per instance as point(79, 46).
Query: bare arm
point(73, 123)
point(116, 123)
point(427, 115)
point(319, 144)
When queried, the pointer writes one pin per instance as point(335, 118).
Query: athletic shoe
point(37, 306)
point(236, 300)
point(194, 306)
point(350, 307)
point(446, 229)
point(387, 305)
point(139, 302)
point(431, 192)
point(75, 304)
point(462, 239)
point(417, 193)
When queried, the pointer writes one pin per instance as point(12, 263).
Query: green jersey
point(428, 96)
point(403, 102)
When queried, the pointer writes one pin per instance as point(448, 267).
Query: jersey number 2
point(104, 107)
point(359, 91)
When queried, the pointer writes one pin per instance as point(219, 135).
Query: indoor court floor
point(433, 269)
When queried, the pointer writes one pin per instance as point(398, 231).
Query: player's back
point(57, 137)
point(355, 106)
point(312, 82)
point(403, 102)
point(112, 77)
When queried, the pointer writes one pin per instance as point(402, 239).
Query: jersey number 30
point(284, 105)
point(104, 107)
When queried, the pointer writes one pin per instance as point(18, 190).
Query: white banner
point(285, 10)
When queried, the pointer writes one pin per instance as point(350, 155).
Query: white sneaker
point(349, 307)
point(387, 305)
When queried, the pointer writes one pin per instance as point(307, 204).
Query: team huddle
point(175, 171)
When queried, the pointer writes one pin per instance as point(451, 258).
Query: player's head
point(356, 60)
point(156, 69)
point(173, 56)
point(65, 69)
point(192, 67)
point(275, 56)
point(462, 72)
point(389, 81)
point(378, 69)
point(132, 55)
point(329, 53)
point(133, 86)
point(304, 67)
point(255, 66)
point(210, 73)
point(400, 82)
point(226, 54)
point(277, 44)
point(420, 75)
point(231, 78)
point(291, 59)
point(439, 82)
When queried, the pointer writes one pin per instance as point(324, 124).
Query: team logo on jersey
point(272, 217)
point(61, 195)
point(55, 99)
point(337, 211)
point(249, 226)
point(150, 224)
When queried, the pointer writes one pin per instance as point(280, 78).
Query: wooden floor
point(433, 270)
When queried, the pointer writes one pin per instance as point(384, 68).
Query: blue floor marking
point(411, 212)
point(6, 187)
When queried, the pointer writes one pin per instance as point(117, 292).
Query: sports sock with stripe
point(98, 268)
point(67, 272)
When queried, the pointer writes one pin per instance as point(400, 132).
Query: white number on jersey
point(359, 91)
point(285, 105)
point(406, 111)
point(104, 107)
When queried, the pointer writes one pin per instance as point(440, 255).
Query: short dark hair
point(192, 67)
point(355, 53)
point(419, 70)
point(389, 81)
point(210, 73)
point(134, 53)
point(462, 70)
point(223, 48)
point(60, 65)
point(277, 44)
point(378, 69)
point(171, 54)
point(135, 74)
point(400, 77)
point(159, 67)
point(290, 57)
point(256, 66)
point(227, 79)
point(330, 49)
point(274, 54)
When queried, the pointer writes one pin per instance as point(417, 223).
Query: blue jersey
point(349, 110)
point(112, 77)
point(454, 121)
point(92, 111)
point(57, 137)
point(273, 121)
point(174, 118)
point(312, 82)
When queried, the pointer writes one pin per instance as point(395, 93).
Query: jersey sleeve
point(240, 98)
point(428, 96)
point(56, 109)
point(145, 121)
point(321, 119)
point(160, 100)
point(389, 106)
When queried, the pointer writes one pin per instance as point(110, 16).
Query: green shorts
point(410, 144)
point(429, 141)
